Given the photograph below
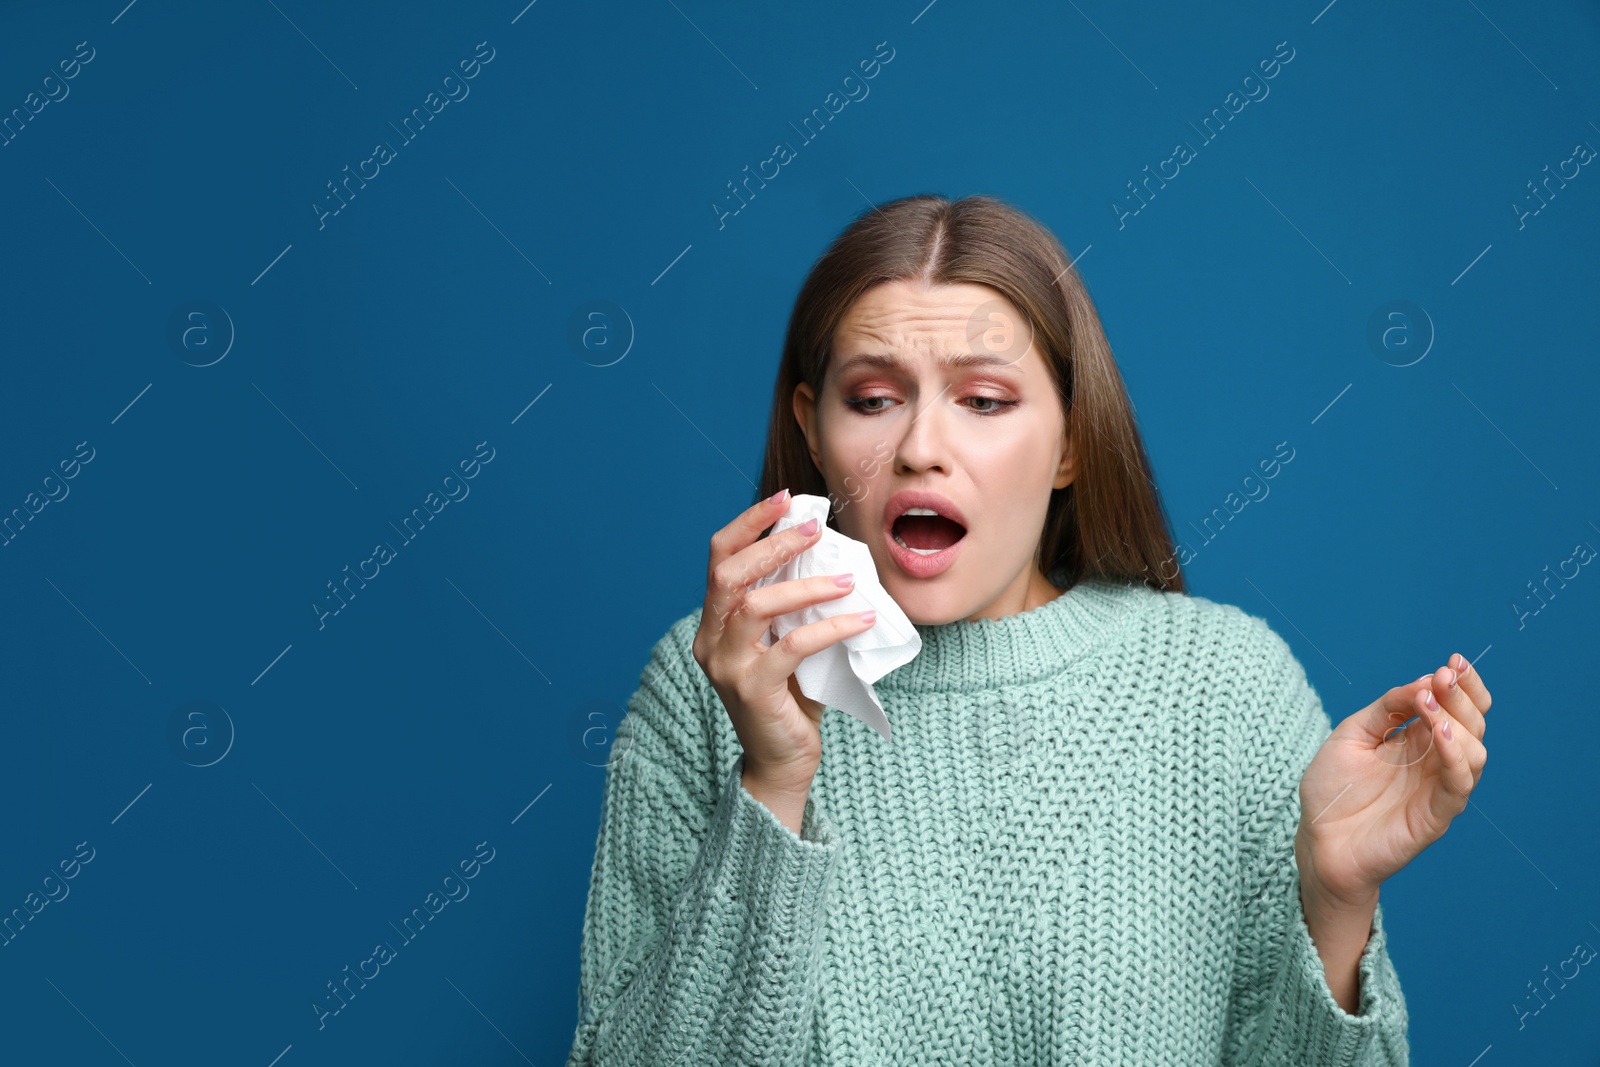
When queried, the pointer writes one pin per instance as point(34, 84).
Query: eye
point(999, 405)
point(860, 403)
point(867, 405)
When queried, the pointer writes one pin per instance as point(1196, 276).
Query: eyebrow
point(952, 361)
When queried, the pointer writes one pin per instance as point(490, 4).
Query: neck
point(1029, 591)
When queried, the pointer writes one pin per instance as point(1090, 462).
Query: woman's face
point(986, 441)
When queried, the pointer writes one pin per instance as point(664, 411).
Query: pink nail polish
point(1433, 705)
point(1445, 729)
point(845, 580)
point(808, 527)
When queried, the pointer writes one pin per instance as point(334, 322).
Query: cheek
point(1014, 476)
point(855, 470)
point(856, 457)
point(1020, 455)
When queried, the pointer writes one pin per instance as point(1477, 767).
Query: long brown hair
point(1109, 522)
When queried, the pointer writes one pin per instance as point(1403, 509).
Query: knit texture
point(1077, 849)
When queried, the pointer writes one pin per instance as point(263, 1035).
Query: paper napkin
point(841, 675)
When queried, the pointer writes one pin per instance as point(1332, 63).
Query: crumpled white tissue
point(841, 675)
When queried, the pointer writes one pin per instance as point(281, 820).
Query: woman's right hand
point(779, 727)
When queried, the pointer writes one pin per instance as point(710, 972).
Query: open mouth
point(926, 532)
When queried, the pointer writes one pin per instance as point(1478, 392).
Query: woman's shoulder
point(679, 636)
point(1191, 615)
point(1240, 650)
point(673, 651)
point(671, 719)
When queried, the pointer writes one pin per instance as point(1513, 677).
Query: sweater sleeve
point(702, 934)
point(1281, 1011)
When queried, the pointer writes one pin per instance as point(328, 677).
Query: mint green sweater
point(1077, 849)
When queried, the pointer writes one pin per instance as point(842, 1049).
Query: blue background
point(338, 771)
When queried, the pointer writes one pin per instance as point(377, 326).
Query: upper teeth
point(919, 511)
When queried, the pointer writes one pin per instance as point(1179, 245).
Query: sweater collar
point(972, 655)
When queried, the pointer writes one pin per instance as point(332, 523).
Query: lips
point(923, 545)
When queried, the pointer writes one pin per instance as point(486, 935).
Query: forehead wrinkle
point(891, 330)
point(945, 360)
point(916, 340)
point(884, 324)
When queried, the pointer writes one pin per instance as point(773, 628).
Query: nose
point(922, 442)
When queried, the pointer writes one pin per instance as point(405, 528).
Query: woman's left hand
point(1374, 796)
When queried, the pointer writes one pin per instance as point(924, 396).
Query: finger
point(1472, 746)
point(785, 654)
point(1471, 682)
point(1455, 773)
point(1388, 713)
point(747, 526)
point(1454, 699)
point(780, 598)
point(743, 570)
point(739, 534)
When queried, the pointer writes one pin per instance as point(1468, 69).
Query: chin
point(923, 604)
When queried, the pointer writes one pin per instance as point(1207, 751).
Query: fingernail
point(1445, 729)
point(1427, 698)
point(1453, 676)
point(778, 496)
point(868, 616)
point(845, 580)
point(808, 527)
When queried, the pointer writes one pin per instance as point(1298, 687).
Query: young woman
point(1114, 823)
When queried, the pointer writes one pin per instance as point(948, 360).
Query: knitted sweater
point(1077, 849)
